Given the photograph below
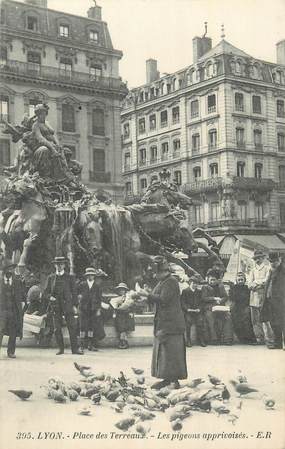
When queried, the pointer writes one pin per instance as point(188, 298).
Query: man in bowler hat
point(61, 292)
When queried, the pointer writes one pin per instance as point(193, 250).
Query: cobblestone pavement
point(265, 369)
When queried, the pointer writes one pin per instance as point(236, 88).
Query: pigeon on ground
point(138, 371)
point(72, 395)
point(141, 429)
point(176, 425)
point(241, 377)
point(96, 398)
point(140, 380)
point(225, 394)
point(81, 367)
point(214, 380)
point(242, 388)
point(85, 411)
point(163, 392)
point(125, 424)
point(219, 408)
point(59, 397)
point(195, 382)
point(268, 402)
point(22, 394)
point(144, 415)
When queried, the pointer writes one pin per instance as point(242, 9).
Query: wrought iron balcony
point(212, 184)
point(249, 223)
point(264, 184)
point(258, 146)
point(48, 73)
point(205, 185)
point(99, 176)
point(241, 145)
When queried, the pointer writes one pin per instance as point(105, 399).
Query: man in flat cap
point(61, 293)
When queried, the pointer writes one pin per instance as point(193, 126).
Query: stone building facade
point(219, 127)
point(68, 62)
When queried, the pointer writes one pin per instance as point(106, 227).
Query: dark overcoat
point(274, 302)
point(89, 304)
point(18, 296)
point(69, 300)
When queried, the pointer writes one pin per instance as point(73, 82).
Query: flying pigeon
point(22, 394)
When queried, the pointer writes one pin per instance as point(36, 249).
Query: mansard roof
point(224, 47)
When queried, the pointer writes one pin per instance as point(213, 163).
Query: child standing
point(191, 299)
point(124, 317)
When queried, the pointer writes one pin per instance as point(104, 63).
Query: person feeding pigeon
point(191, 305)
point(124, 317)
point(11, 307)
point(169, 350)
point(61, 293)
point(90, 299)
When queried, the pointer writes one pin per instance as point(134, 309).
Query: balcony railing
point(243, 183)
point(163, 124)
point(164, 157)
point(142, 162)
point(211, 109)
point(211, 184)
point(99, 176)
point(153, 160)
point(239, 107)
point(175, 120)
point(212, 146)
point(194, 114)
point(205, 185)
point(56, 74)
point(258, 146)
point(249, 223)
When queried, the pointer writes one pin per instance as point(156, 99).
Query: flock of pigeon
point(139, 404)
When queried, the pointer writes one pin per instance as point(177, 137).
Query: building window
point(215, 211)
point(152, 122)
point(143, 184)
point(198, 213)
point(98, 160)
point(259, 211)
point(64, 30)
point(176, 145)
point(256, 104)
point(141, 125)
point(282, 175)
point(153, 153)
point(32, 104)
point(212, 139)
point(175, 114)
point(240, 137)
point(95, 71)
point(258, 170)
point(280, 108)
point(240, 169)
point(126, 131)
point(2, 16)
point(128, 188)
point(177, 177)
point(34, 62)
point(242, 210)
point(32, 23)
point(93, 36)
point(195, 143)
point(4, 108)
point(5, 159)
point(68, 118)
point(239, 102)
point(194, 108)
point(197, 173)
point(281, 141)
point(282, 213)
point(214, 170)
point(127, 161)
point(142, 153)
point(98, 122)
point(164, 151)
point(3, 56)
point(65, 67)
point(257, 135)
point(163, 119)
point(211, 103)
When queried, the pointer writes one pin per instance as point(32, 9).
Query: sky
point(163, 29)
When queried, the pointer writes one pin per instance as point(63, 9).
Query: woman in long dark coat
point(169, 349)
point(240, 311)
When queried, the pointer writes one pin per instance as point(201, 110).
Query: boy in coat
point(191, 301)
point(124, 318)
point(90, 299)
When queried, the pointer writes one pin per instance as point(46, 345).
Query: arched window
point(258, 167)
point(239, 101)
point(242, 210)
point(142, 154)
point(209, 70)
point(240, 169)
point(212, 135)
point(257, 136)
point(4, 108)
point(176, 145)
point(153, 154)
point(68, 117)
point(98, 122)
point(259, 211)
point(197, 173)
point(214, 169)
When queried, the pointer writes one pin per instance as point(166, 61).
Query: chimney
point(201, 45)
point(95, 12)
point(280, 52)
point(41, 3)
point(152, 74)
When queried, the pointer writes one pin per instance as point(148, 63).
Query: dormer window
point(64, 31)
point(32, 23)
point(93, 36)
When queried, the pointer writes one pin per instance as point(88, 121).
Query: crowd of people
point(250, 311)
